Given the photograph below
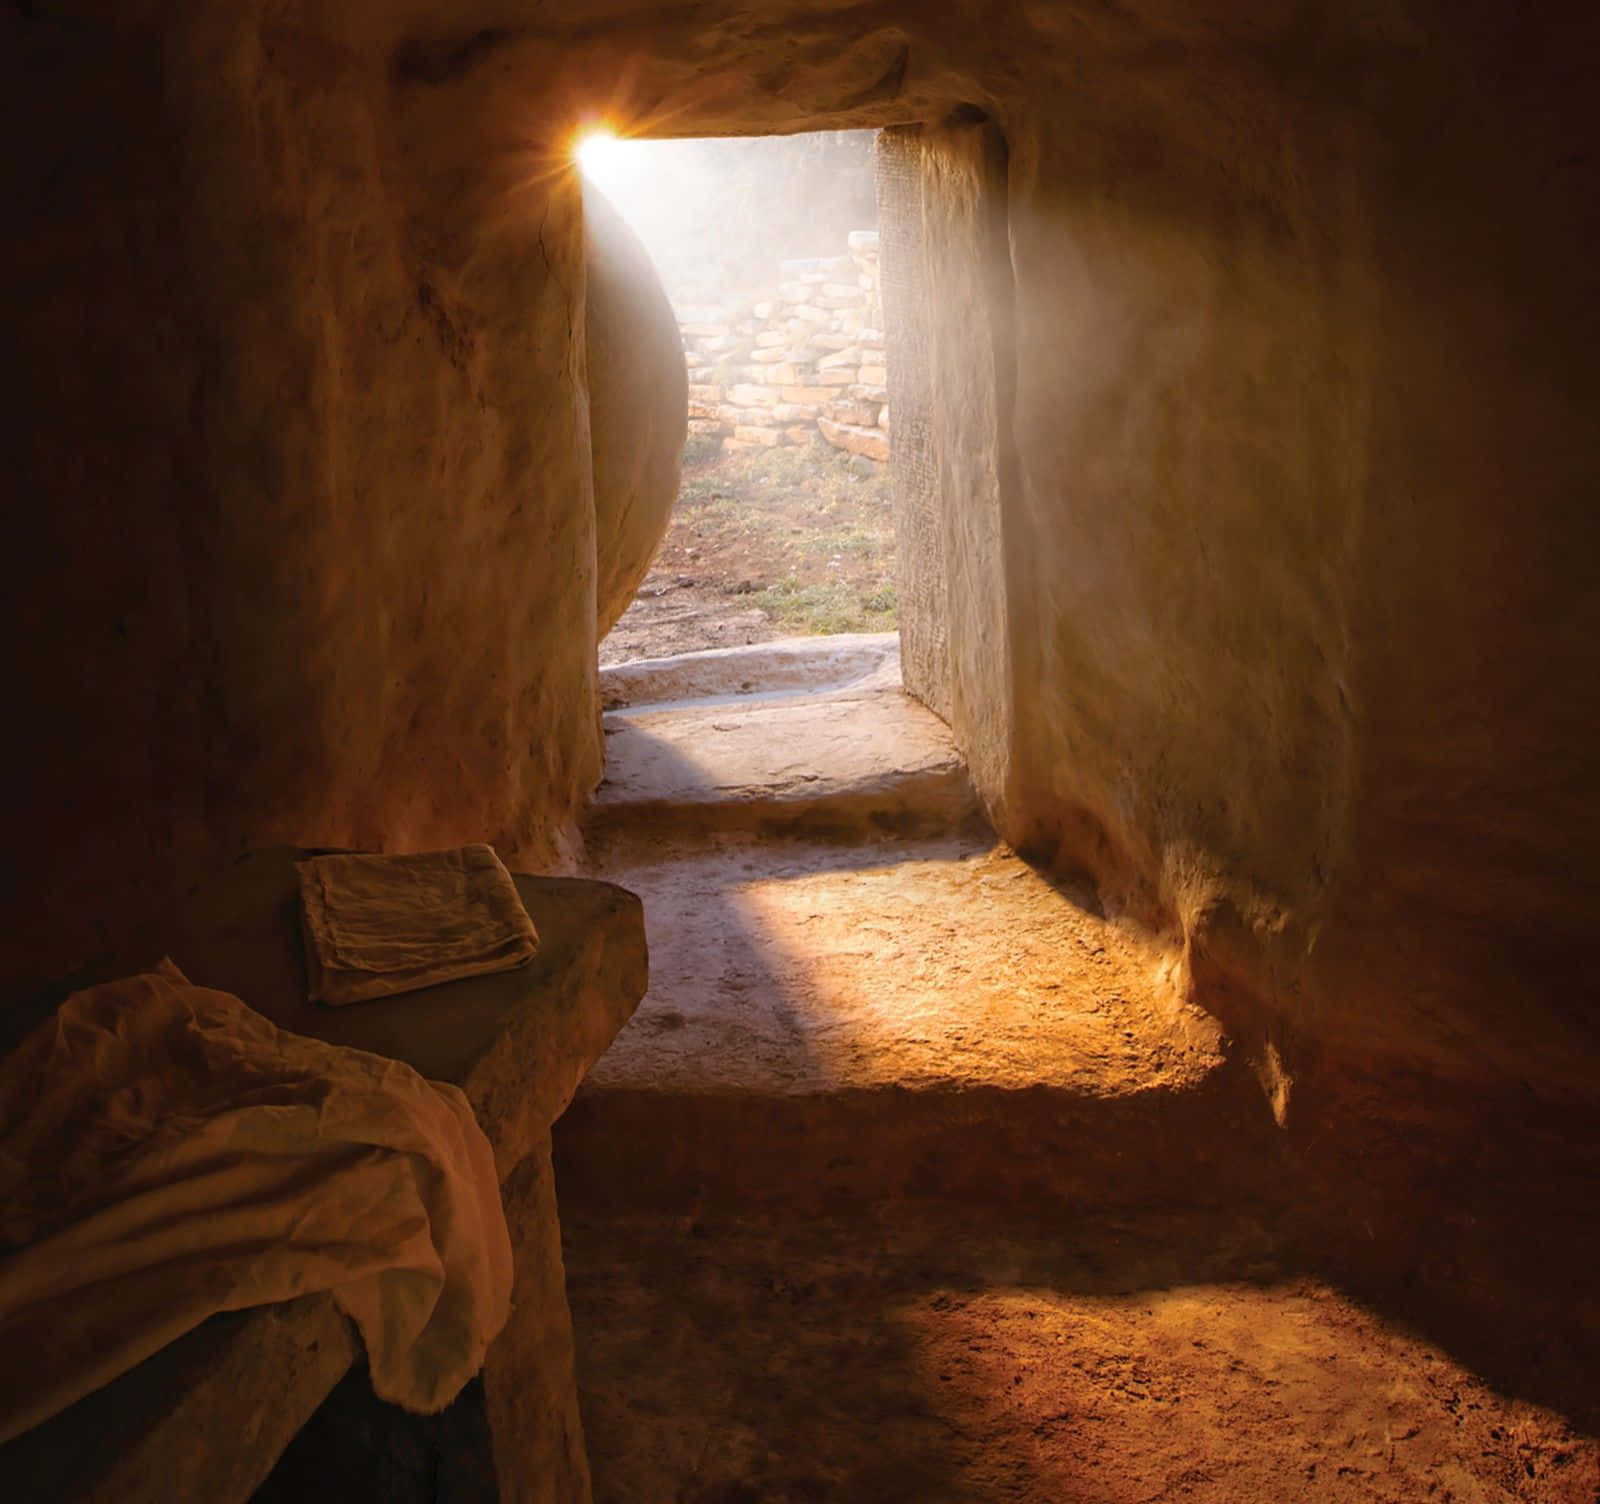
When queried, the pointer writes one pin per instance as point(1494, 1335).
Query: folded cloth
point(166, 1153)
point(376, 925)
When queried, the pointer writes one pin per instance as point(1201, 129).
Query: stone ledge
point(852, 760)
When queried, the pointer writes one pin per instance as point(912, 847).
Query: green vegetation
point(805, 533)
point(826, 609)
point(700, 449)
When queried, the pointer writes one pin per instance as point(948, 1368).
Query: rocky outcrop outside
point(803, 363)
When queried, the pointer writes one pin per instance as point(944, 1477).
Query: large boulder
point(638, 405)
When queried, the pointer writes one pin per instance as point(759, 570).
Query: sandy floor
point(901, 1355)
point(949, 963)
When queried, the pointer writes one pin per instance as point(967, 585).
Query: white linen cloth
point(166, 1154)
point(376, 925)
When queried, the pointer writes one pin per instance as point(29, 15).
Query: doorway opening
point(768, 248)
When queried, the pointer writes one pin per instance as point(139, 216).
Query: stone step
point(640, 1149)
point(787, 666)
point(855, 990)
point(931, 1017)
point(849, 764)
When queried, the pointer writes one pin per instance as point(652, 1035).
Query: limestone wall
point(803, 364)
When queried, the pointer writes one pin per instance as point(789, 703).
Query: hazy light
point(715, 216)
point(623, 170)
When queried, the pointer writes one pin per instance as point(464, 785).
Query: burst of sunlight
point(627, 171)
point(596, 148)
point(646, 180)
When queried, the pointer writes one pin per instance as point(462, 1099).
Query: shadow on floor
point(921, 1353)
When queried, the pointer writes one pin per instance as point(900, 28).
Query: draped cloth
point(376, 925)
point(167, 1154)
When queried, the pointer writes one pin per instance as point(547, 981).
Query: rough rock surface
point(871, 442)
point(855, 991)
point(638, 415)
point(839, 661)
point(307, 550)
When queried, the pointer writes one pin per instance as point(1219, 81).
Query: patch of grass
point(825, 609)
point(806, 517)
point(789, 466)
point(820, 473)
point(715, 516)
point(700, 449)
point(856, 541)
point(704, 494)
point(755, 491)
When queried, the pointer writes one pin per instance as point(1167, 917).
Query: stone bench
point(209, 1416)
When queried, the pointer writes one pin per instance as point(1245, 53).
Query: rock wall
point(921, 578)
point(805, 363)
point(1296, 546)
point(967, 310)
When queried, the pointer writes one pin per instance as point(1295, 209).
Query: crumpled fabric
point(377, 925)
point(166, 1153)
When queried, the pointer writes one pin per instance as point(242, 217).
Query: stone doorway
point(784, 525)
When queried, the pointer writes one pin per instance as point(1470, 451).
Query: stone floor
point(767, 739)
point(940, 963)
point(914, 1176)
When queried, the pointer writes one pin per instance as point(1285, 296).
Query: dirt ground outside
point(764, 544)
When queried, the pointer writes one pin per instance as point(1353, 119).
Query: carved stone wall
point(920, 586)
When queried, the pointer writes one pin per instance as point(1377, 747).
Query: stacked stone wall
point(801, 365)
